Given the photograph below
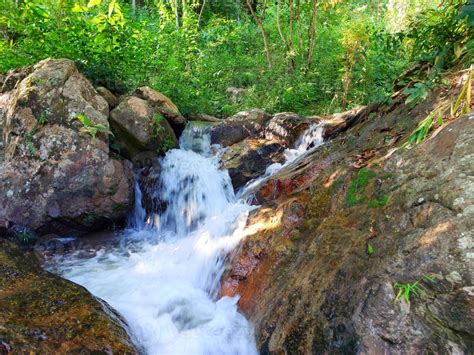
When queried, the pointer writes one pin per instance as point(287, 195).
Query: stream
point(163, 272)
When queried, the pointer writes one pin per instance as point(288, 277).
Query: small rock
point(454, 277)
point(111, 99)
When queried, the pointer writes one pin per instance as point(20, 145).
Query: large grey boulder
point(139, 127)
point(55, 170)
point(285, 128)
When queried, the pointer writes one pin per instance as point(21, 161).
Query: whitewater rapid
point(164, 275)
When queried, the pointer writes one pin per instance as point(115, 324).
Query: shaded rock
point(285, 128)
point(54, 174)
point(163, 105)
point(145, 159)
point(13, 77)
point(263, 144)
point(305, 276)
point(148, 170)
point(43, 313)
point(150, 185)
point(249, 159)
point(245, 124)
point(203, 117)
point(111, 99)
point(139, 127)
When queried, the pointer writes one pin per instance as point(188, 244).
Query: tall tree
point(259, 18)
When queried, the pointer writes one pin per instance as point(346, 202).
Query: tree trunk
point(259, 22)
point(201, 11)
point(311, 35)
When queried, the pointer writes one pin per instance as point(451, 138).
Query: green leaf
point(78, 8)
point(86, 121)
point(93, 3)
point(370, 249)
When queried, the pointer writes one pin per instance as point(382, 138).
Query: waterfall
point(165, 278)
point(138, 215)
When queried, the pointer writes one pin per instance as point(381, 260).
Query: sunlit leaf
point(93, 3)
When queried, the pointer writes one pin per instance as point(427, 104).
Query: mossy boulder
point(55, 165)
point(139, 127)
point(45, 314)
point(164, 106)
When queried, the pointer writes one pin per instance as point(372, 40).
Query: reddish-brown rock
point(306, 275)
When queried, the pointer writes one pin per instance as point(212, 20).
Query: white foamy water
point(164, 278)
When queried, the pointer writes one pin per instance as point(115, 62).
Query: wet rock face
point(250, 158)
point(255, 140)
point(55, 171)
point(246, 124)
point(307, 277)
point(285, 128)
point(42, 313)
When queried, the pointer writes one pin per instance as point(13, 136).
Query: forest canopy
point(219, 57)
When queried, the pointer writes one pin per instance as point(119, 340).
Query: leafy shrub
point(194, 57)
point(92, 128)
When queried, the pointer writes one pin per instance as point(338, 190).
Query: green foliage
point(439, 38)
point(370, 249)
point(424, 127)
point(458, 107)
point(468, 11)
point(439, 35)
point(158, 126)
point(113, 145)
point(356, 192)
point(25, 236)
point(462, 104)
point(29, 141)
point(193, 55)
point(379, 202)
point(405, 291)
point(166, 144)
point(418, 93)
point(408, 290)
point(42, 119)
point(92, 128)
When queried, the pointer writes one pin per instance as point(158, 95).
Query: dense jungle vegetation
point(306, 56)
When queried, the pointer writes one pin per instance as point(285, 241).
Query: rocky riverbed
point(358, 245)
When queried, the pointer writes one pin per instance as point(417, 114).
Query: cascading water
point(309, 140)
point(164, 278)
